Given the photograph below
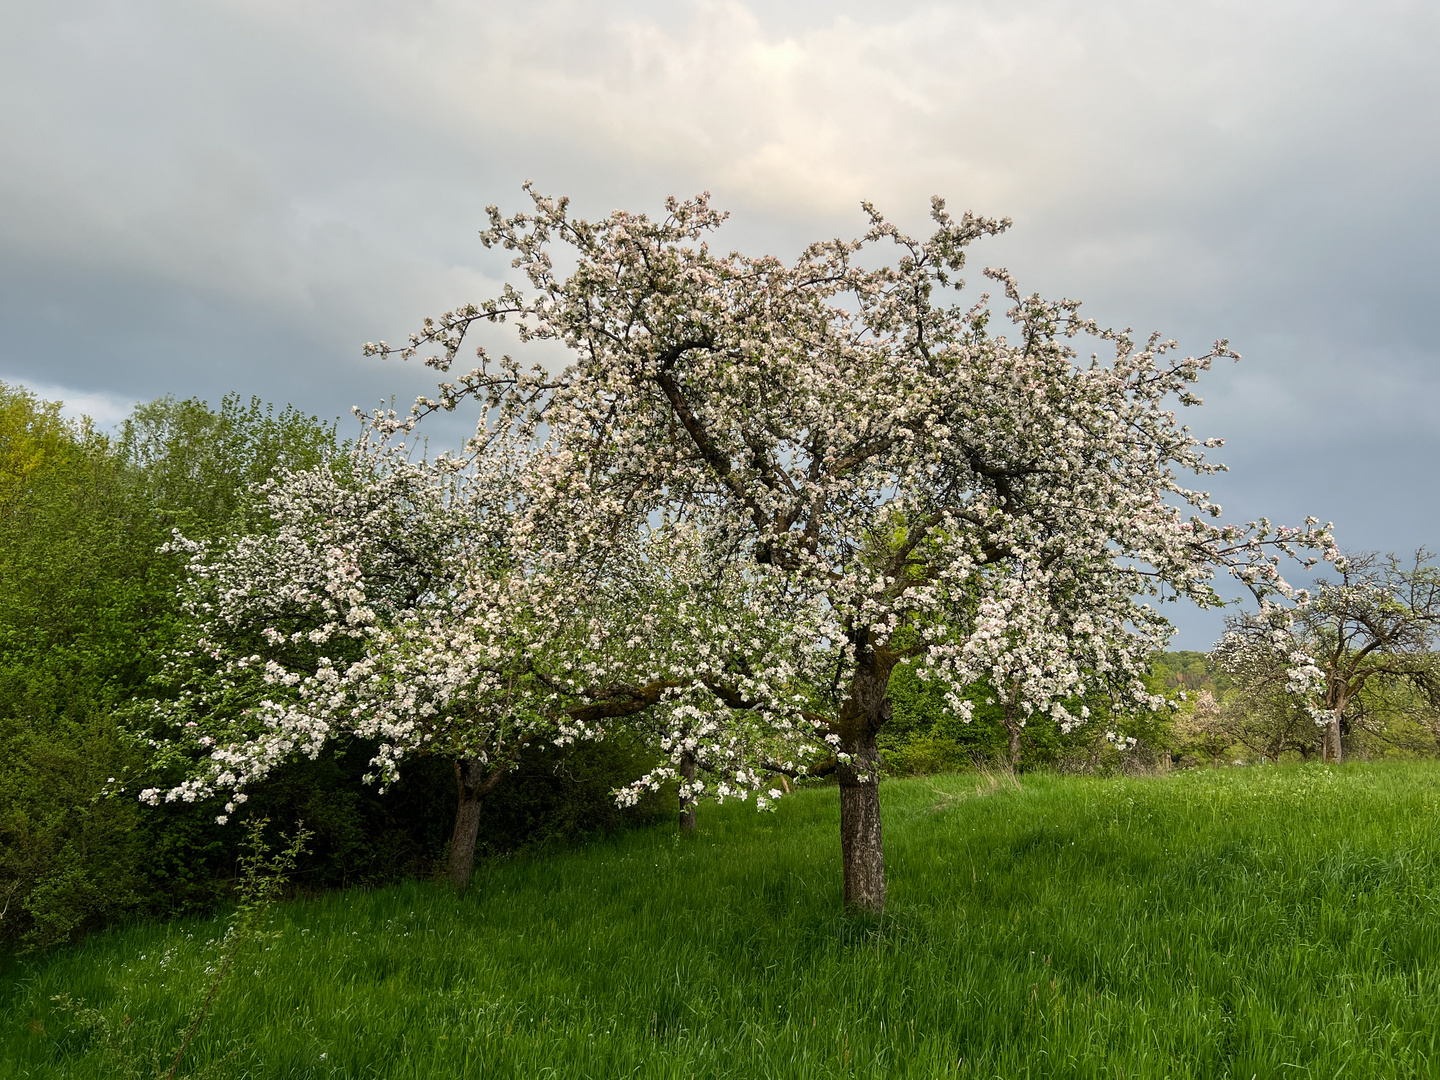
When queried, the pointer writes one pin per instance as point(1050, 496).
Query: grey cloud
point(235, 196)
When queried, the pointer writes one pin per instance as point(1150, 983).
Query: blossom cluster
point(755, 488)
point(975, 497)
point(426, 607)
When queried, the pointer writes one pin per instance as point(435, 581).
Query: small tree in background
point(1372, 630)
point(366, 608)
point(1263, 713)
point(1203, 729)
point(1376, 626)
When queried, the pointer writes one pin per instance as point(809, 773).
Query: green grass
point(1258, 922)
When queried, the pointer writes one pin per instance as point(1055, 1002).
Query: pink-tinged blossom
point(932, 480)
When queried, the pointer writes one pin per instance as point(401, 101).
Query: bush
point(361, 836)
point(563, 794)
point(927, 755)
point(88, 605)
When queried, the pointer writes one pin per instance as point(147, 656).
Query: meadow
point(1258, 922)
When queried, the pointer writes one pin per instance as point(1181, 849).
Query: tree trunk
point(863, 715)
point(1012, 751)
point(687, 802)
point(1332, 750)
point(861, 848)
point(472, 783)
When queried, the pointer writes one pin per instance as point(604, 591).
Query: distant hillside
point(1189, 671)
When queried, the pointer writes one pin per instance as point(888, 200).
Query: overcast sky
point(204, 197)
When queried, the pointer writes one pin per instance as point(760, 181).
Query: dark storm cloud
point(195, 199)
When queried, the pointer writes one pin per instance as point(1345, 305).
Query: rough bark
point(473, 781)
point(687, 802)
point(862, 852)
point(1332, 750)
point(861, 849)
point(1012, 752)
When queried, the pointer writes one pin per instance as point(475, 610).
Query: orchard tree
point(350, 614)
point(1203, 727)
point(1035, 644)
point(900, 457)
point(417, 605)
point(1272, 706)
point(1375, 628)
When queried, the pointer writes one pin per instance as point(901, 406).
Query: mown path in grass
point(1256, 922)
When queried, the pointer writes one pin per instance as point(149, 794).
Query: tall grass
point(1260, 922)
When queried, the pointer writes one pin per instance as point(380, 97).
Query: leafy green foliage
point(558, 796)
point(196, 467)
point(1189, 672)
point(925, 737)
point(263, 876)
point(87, 606)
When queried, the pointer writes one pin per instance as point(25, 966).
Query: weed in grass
point(262, 877)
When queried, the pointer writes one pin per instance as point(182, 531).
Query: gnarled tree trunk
point(861, 848)
point(474, 780)
point(865, 712)
point(1013, 728)
point(1332, 745)
point(1333, 751)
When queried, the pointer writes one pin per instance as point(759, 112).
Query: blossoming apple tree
point(900, 457)
point(424, 607)
point(1371, 627)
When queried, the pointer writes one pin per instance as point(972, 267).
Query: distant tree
point(1188, 672)
point(1396, 718)
point(1201, 728)
point(33, 434)
point(1374, 628)
point(1261, 713)
point(200, 467)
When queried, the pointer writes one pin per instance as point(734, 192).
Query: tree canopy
point(942, 483)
